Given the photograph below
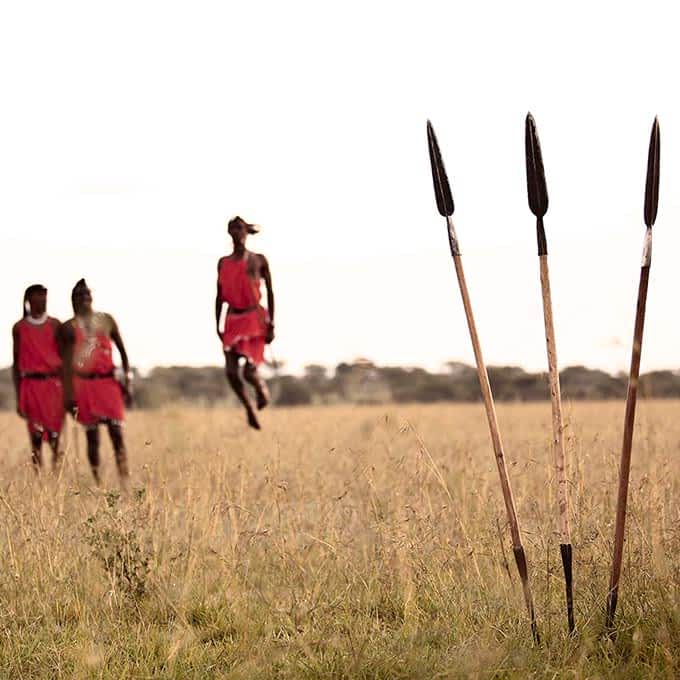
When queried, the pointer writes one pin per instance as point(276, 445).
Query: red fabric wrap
point(243, 333)
point(41, 401)
point(42, 404)
point(98, 399)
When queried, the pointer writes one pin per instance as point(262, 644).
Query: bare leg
point(251, 376)
point(237, 385)
point(92, 434)
point(36, 450)
point(116, 434)
point(57, 453)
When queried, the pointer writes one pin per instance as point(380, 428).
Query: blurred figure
point(37, 372)
point(91, 392)
point(247, 326)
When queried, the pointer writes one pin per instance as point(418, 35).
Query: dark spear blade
point(536, 187)
point(442, 189)
point(652, 185)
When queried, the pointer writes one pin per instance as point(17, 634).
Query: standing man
point(247, 326)
point(36, 372)
point(91, 392)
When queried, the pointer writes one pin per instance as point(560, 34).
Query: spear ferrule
point(453, 239)
point(540, 237)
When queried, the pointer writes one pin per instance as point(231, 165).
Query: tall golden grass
point(341, 542)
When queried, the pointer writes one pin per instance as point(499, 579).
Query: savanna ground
point(341, 542)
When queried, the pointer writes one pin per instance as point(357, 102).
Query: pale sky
point(130, 131)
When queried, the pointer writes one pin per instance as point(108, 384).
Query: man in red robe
point(91, 391)
point(247, 326)
point(36, 372)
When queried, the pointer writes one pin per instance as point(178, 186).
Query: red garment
point(98, 395)
point(41, 399)
point(243, 333)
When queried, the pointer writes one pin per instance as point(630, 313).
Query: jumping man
point(91, 392)
point(247, 326)
point(36, 372)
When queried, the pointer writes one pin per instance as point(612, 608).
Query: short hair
point(31, 290)
point(252, 228)
point(80, 286)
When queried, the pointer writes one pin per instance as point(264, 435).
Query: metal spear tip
point(536, 187)
point(442, 189)
point(652, 184)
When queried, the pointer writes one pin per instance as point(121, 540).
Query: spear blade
point(536, 187)
point(652, 184)
point(442, 188)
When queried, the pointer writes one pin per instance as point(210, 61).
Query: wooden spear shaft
point(558, 440)
point(556, 399)
point(517, 547)
point(626, 449)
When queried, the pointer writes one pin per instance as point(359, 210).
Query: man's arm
point(218, 302)
point(16, 375)
point(218, 311)
point(56, 329)
point(267, 276)
point(118, 342)
point(66, 339)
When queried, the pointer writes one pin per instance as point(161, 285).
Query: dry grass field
point(341, 542)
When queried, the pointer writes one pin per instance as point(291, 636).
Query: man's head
point(81, 298)
point(239, 229)
point(35, 300)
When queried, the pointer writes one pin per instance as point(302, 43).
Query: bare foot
point(261, 390)
point(252, 420)
point(263, 396)
point(124, 476)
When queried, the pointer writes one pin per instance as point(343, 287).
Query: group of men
point(68, 367)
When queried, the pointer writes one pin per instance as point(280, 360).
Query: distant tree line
point(362, 382)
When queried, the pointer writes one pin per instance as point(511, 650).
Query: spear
point(442, 191)
point(538, 203)
point(651, 204)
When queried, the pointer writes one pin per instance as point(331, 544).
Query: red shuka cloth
point(41, 401)
point(243, 333)
point(98, 399)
